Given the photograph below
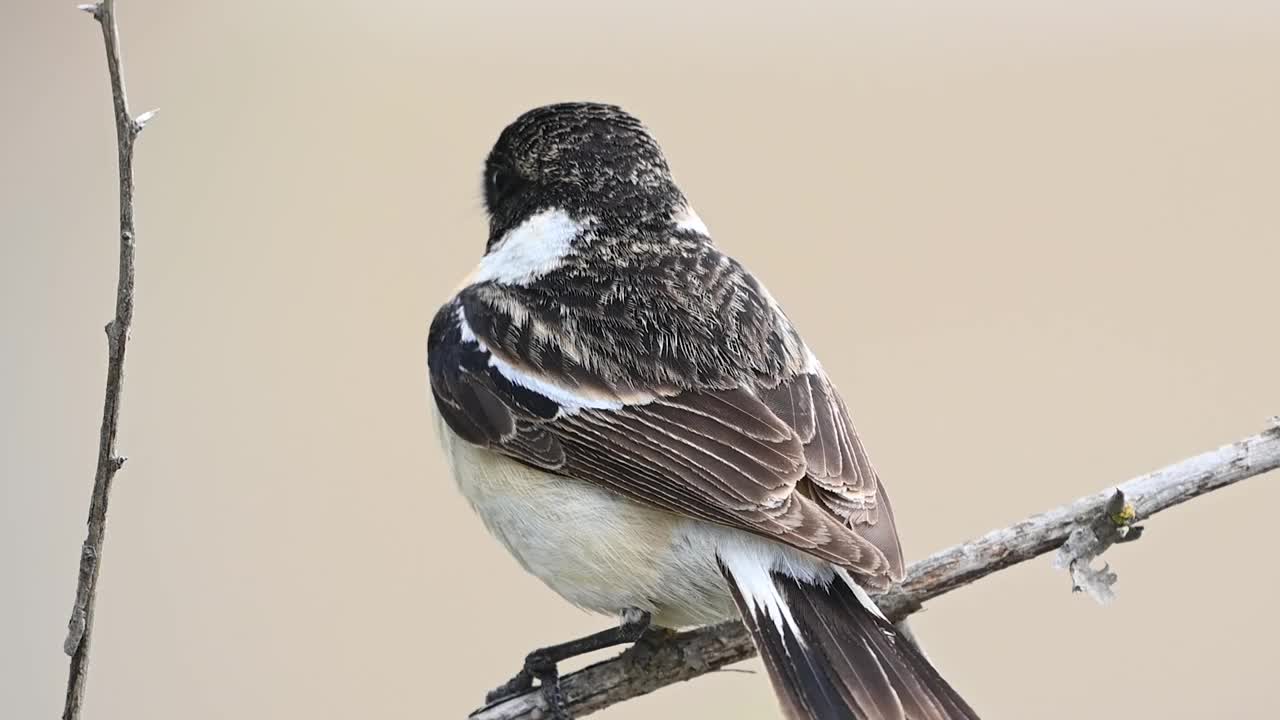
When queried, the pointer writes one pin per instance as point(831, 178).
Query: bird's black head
point(588, 159)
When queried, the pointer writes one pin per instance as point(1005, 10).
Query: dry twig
point(80, 628)
point(1083, 529)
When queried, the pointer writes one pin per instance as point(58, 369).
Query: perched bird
point(631, 413)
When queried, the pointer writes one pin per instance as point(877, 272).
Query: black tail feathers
point(832, 658)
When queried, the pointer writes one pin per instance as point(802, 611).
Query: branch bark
point(80, 627)
point(1083, 529)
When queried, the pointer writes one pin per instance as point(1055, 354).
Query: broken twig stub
point(1086, 542)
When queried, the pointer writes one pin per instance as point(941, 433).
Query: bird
point(631, 413)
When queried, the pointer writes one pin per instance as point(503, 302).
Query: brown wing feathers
point(690, 468)
point(839, 474)
point(780, 461)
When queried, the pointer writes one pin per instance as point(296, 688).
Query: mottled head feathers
point(588, 159)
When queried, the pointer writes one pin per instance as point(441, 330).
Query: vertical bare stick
point(80, 628)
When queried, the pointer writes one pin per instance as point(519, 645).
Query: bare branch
point(80, 627)
point(1087, 527)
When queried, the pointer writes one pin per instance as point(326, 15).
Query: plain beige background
point(1036, 243)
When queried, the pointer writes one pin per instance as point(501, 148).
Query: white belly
point(597, 549)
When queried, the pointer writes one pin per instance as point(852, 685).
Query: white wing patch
point(532, 249)
point(569, 401)
point(465, 331)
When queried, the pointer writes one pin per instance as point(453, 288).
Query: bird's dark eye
point(500, 182)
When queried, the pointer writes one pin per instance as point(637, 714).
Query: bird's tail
point(831, 656)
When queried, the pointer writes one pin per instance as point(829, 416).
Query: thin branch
point(1091, 523)
point(80, 627)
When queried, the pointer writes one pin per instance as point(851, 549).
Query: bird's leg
point(541, 664)
point(648, 644)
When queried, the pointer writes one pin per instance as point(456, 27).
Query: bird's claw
point(543, 669)
point(522, 682)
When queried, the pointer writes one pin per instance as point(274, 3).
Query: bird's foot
point(540, 664)
point(647, 645)
point(537, 666)
point(517, 685)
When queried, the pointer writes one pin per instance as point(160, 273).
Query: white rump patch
point(751, 560)
point(686, 219)
point(530, 250)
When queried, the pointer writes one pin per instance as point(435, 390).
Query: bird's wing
point(776, 456)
